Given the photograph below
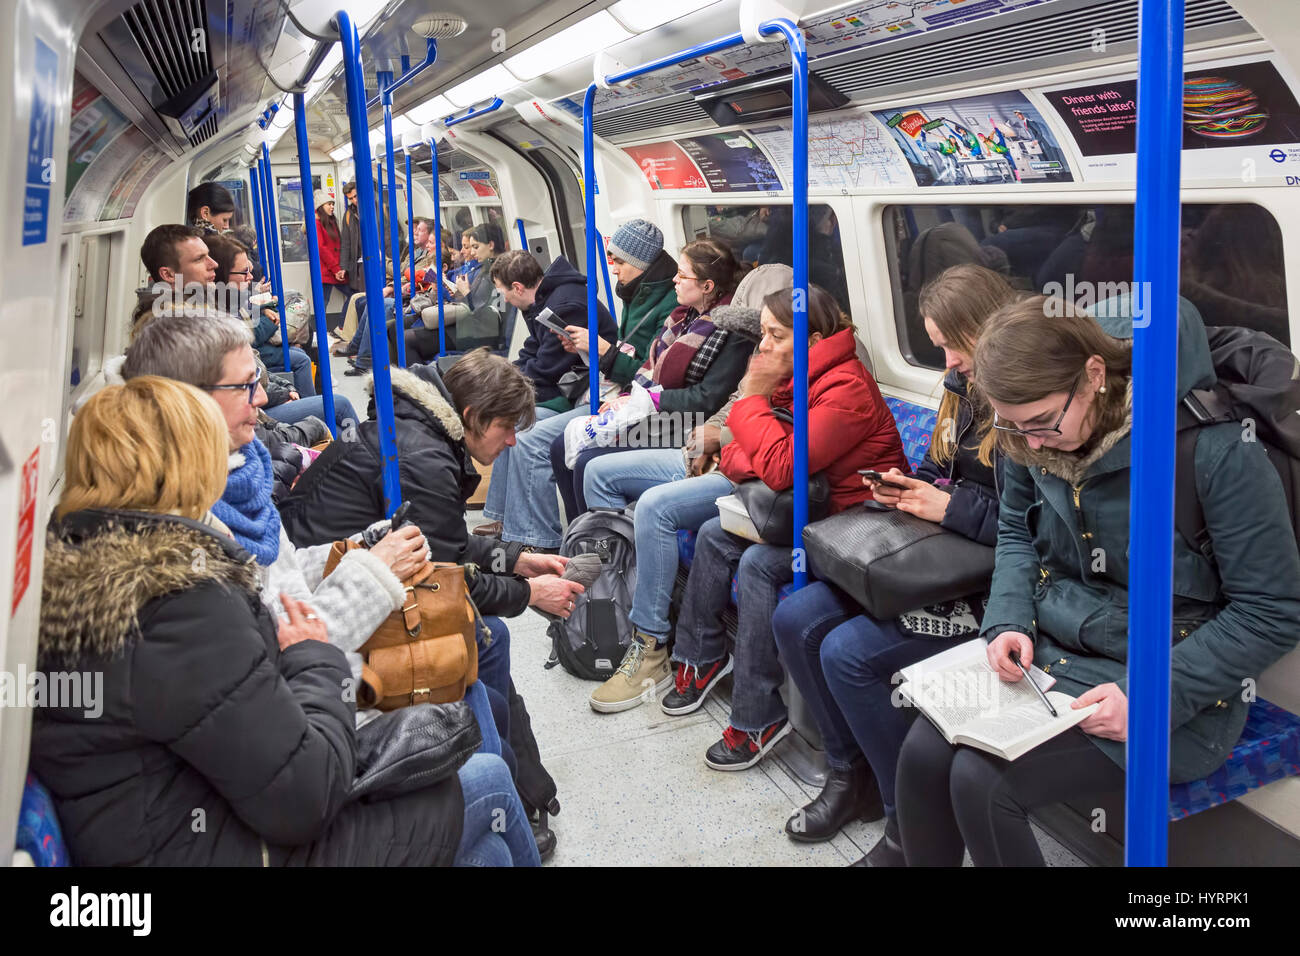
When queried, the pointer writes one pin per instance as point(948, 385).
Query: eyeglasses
point(1042, 432)
point(249, 387)
point(241, 272)
point(682, 275)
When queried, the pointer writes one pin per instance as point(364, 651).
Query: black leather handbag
point(413, 748)
point(772, 512)
point(892, 562)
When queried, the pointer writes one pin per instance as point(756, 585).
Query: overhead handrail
point(794, 39)
point(386, 89)
point(454, 120)
point(272, 224)
point(313, 261)
point(384, 79)
point(1156, 232)
point(373, 268)
point(437, 218)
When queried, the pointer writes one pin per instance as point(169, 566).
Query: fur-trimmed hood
point(422, 387)
point(102, 567)
point(737, 318)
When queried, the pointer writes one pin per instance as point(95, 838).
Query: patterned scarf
point(245, 506)
point(673, 353)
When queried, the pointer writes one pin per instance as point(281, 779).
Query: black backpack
point(591, 643)
point(1259, 387)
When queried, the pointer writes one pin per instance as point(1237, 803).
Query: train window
point(759, 235)
point(293, 235)
point(458, 219)
point(497, 216)
point(1232, 263)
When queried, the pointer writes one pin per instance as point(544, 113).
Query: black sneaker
point(691, 685)
point(740, 750)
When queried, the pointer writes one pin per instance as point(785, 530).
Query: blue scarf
point(245, 506)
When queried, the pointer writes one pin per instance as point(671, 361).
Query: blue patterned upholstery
point(915, 425)
point(38, 827)
point(1269, 750)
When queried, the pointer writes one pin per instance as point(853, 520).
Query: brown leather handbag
point(425, 652)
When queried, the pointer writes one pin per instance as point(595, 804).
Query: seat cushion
point(38, 827)
point(1268, 751)
point(915, 425)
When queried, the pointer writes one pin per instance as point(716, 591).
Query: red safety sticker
point(27, 494)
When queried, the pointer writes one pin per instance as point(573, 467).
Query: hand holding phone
point(880, 479)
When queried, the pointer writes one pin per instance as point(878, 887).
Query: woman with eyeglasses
point(1060, 386)
point(287, 405)
point(842, 658)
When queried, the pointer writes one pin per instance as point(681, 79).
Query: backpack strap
point(1199, 408)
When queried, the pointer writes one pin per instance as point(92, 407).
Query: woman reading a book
point(1060, 385)
point(841, 658)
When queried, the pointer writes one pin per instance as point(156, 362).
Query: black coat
point(342, 492)
point(213, 747)
point(973, 510)
point(542, 358)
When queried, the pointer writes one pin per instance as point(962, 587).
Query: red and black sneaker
point(740, 749)
point(691, 685)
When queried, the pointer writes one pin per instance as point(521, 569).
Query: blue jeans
point(291, 412)
point(569, 481)
point(843, 662)
point(701, 639)
point(521, 494)
point(299, 366)
point(361, 340)
point(480, 701)
point(494, 673)
point(615, 481)
point(660, 512)
point(496, 830)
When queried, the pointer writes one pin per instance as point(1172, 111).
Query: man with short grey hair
point(189, 346)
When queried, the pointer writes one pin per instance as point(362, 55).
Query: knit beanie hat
point(638, 243)
point(321, 198)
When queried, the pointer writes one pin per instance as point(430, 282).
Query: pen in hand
point(1015, 659)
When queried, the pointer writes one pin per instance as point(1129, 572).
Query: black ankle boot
point(888, 850)
point(847, 795)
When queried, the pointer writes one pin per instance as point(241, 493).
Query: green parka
point(1062, 570)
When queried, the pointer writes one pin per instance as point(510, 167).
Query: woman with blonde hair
point(220, 737)
point(842, 658)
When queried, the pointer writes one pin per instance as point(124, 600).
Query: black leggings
point(950, 796)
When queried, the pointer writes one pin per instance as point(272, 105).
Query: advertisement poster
point(731, 162)
point(666, 166)
point(95, 124)
point(1230, 113)
point(977, 141)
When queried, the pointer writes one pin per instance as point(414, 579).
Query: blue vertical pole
point(394, 224)
point(1155, 401)
point(799, 69)
point(604, 268)
point(523, 236)
point(373, 258)
point(437, 220)
point(255, 197)
point(273, 248)
point(379, 209)
point(313, 261)
point(589, 189)
point(410, 222)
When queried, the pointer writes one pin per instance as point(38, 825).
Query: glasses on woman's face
point(249, 387)
point(241, 272)
point(683, 277)
point(1041, 432)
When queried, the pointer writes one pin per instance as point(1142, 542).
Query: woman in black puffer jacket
point(218, 735)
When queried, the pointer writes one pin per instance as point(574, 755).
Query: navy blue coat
point(543, 359)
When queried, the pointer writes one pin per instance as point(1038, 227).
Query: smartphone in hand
point(882, 479)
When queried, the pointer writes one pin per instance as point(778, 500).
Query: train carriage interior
point(1001, 135)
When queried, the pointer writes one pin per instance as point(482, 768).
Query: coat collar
point(427, 393)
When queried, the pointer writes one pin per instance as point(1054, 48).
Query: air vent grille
point(165, 31)
point(204, 131)
point(1050, 36)
point(663, 114)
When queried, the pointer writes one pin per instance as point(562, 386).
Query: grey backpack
point(591, 643)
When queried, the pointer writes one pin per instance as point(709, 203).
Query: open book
point(969, 704)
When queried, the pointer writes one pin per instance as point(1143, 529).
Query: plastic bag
point(602, 431)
